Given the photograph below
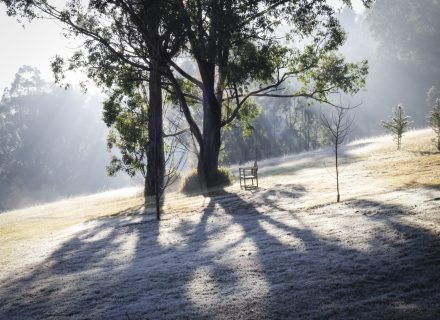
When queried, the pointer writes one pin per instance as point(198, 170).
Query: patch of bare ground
point(284, 251)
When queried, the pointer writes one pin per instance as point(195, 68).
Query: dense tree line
point(282, 127)
point(409, 31)
point(406, 61)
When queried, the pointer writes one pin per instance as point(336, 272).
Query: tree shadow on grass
point(234, 261)
point(322, 278)
point(82, 276)
point(405, 281)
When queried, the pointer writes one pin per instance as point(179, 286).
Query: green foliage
point(282, 127)
point(259, 65)
point(191, 90)
point(398, 124)
point(434, 120)
point(253, 61)
point(191, 183)
point(246, 116)
point(126, 116)
point(329, 72)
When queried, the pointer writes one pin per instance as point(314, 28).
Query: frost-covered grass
point(284, 251)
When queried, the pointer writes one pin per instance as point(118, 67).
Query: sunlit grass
point(416, 164)
point(45, 220)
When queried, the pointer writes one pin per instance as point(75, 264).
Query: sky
point(36, 44)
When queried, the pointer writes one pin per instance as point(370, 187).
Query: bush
point(224, 177)
point(434, 121)
point(192, 184)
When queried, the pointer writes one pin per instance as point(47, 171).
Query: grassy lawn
point(286, 250)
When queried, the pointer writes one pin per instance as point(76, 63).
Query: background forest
point(53, 143)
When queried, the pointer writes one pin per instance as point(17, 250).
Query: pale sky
point(33, 45)
point(36, 44)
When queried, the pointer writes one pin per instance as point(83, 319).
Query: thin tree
point(434, 121)
point(398, 124)
point(338, 126)
point(174, 161)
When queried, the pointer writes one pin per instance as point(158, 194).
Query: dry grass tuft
point(416, 165)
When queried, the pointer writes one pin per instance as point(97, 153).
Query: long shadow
point(88, 276)
point(326, 279)
point(233, 261)
point(85, 277)
point(414, 254)
point(47, 291)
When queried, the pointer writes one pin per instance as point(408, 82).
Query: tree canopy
point(241, 49)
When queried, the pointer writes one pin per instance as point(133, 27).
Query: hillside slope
point(284, 251)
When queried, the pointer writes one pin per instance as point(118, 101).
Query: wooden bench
point(249, 173)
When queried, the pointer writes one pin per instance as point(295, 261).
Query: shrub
point(434, 121)
point(191, 183)
point(224, 177)
point(398, 124)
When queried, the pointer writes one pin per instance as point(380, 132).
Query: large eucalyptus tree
point(241, 48)
point(123, 46)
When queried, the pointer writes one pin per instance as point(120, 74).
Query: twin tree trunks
point(209, 148)
point(209, 142)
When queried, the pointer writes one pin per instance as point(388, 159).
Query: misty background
point(53, 141)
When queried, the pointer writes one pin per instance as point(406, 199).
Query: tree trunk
point(338, 197)
point(145, 192)
point(155, 152)
point(210, 148)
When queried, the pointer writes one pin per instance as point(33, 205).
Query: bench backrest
point(250, 170)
